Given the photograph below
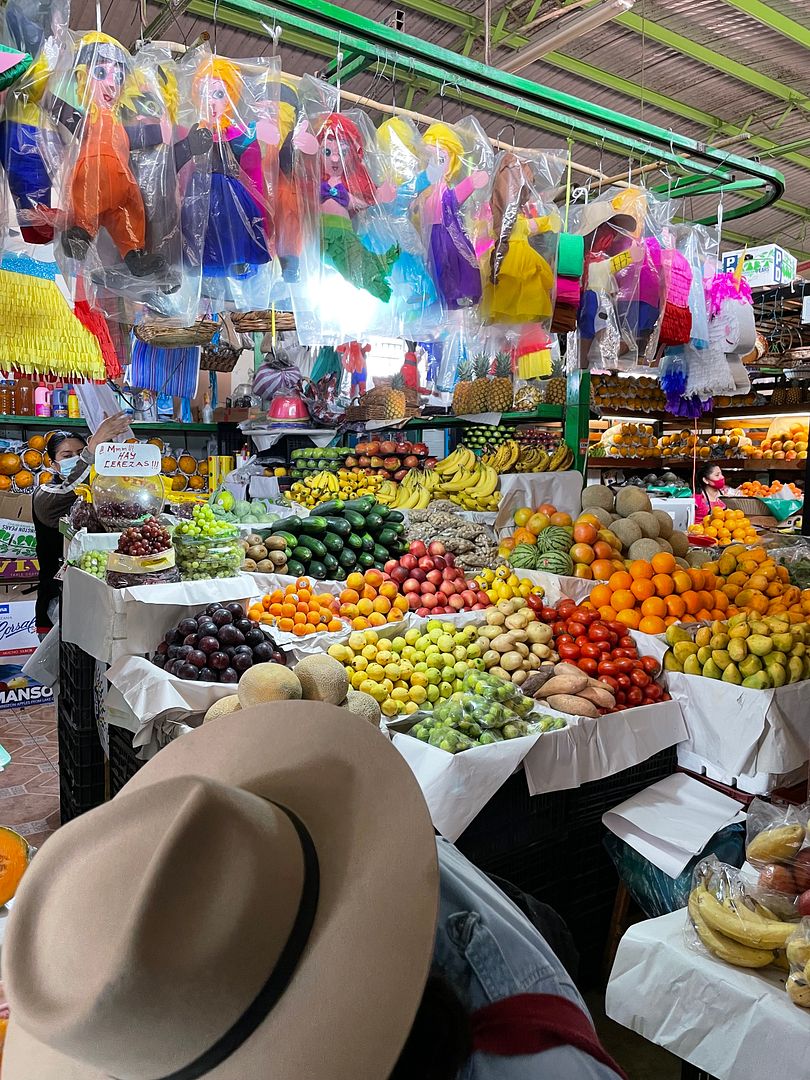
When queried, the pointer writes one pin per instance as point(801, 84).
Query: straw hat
point(627, 210)
point(260, 900)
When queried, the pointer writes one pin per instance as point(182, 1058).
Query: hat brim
point(351, 1003)
point(598, 213)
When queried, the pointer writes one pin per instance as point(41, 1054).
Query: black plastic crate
point(77, 676)
point(514, 819)
point(589, 802)
point(82, 772)
point(123, 762)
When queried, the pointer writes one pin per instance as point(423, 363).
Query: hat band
point(264, 1002)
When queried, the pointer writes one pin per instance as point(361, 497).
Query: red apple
point(420, 448)
point(384, 474)
point(389, 566)
point(388, 447)
point(409, 561)
point(404, 447)
point(362, 447)
point(422, 612)
point(778, 879)
point(426, 563)
point(419, 574)
point(410, 462)
point(803, 904)
point(801, 870)
point(430, 462)
point(450, 558)
point(350, 461)
point(418, 549)
point(469, 597)
point(400, 574)
point(376, 462)
point(392, 463)
point(442, 598)
point(456, 603)
point(439, 562)
point(411, 585)
point(364, 462)
point(483, 598)
point(428, 588)
point(435, 577)
point(450, 588)
point(429, 601)
point(479, 607)
point(373, 448)
point(414, 600)
point(400, 474)
point(436, 548)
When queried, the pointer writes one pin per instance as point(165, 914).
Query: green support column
point(576, 423)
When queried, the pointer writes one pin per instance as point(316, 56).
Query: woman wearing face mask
point(71, 457)
point(712, 484)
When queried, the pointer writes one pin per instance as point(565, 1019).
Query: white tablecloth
point(733, 1023)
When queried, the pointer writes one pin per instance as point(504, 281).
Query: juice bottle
point(42, 400)
point(24, 398)
point(73, 407)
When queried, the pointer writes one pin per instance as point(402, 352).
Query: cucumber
point(338, 525)
point(387, 537)
point(380, 554)
point(382, 510)
point(361, 505)
point(374, 521)
point(290, 525)
point(354, 541)
point(315, 546)
point(317, 570)
point(365, 559)
point(295, 568)
point(394, 515)
point(314, 524)
point(301, 554)
point(346, 559)
point(334, 506)
point(289, 537)
point(355, 519)
point(396, 527)
point(330, 562)
point(368, 542)
point(332, 542)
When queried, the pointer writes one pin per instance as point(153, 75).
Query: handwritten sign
point(127, 459)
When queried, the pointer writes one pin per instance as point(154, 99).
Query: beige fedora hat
point(260, 900)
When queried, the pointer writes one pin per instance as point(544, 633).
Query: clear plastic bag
point(201, 558)
point(798, 959)
point(777, 847)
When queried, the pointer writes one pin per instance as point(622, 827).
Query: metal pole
point(487, 32)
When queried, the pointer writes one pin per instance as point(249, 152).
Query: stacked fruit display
point(514, 642)
point(686, 444)
point(95, 563)
point(629, 515)
point(388, 459)
point(298, 609)
point(264, 555)
point(757, 489)
point(412, 671)
point(752, 580)
point(483, 385)
point(630, 441)
point(371, 599)
point(308, 460)
point(481, 437)
point(345, 484)
point(759, 652)
point(541, 540)
point(339, 537)
point(503, 584)
point(460, 477)
point(24, 465)
point(790, 446)
point(726, 527)
point(241, 511)
point(217, 645)
point(183, 471)
point(148, 538)
point(627, 394)
point(428, 578)
point(206, 547)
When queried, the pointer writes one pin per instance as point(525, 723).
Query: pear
point(676, 634)
point(795, 668)
point(732, 675)
point(719, 641)
point(711, 670)
point(703, 636)
point(737, 649)
point(750, 666)
point(704, 653)
point(741, 630)
point(760, 645)
point(721, 658)
point(776, 658)
point(778, 674)
point(683, 649)
point(671, 662)
point(692, 666)
point(760, 681)
point(782, 642)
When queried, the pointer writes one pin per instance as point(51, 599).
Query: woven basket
point(166, 336)
point(248, 322)
point(219, 358)
point(749, 504)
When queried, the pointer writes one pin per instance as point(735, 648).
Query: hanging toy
point(452, 258)
point(676, 322)
point(353, 357)
point(410, 373)
point(346, 189)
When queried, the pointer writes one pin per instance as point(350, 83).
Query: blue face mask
point(67, 465)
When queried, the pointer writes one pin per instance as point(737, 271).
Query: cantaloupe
point(630, 500)
point(605, 516)
point(684, 565)
point(680, 543)
point(322, 678)
point(14, 857)
point(628, 532)
point(222, 707)
point(647, 522)
point(665, 525)
point(664, 545)
point(698, 556)
point(597, 495)
point(363, 705)
point(268, 682)
point(644, 549)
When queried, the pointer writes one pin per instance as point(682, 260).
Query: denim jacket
point(489, 950)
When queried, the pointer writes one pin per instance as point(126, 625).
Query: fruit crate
point(82, 771)
point(589, 802)
point(76, 700)
point(513, 819)
point(123, 762)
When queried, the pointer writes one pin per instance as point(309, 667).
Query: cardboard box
point(18, 640)
point(765, 265)
point(16, 507)
point(18, 550)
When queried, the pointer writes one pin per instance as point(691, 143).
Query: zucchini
point(368, 542)
point(338, 525)
point(330, 562)
point(355, 519)
point(394, 515)
point(301, 554)
point(290, 539)
point(387, 537)
point(314, 524)
point(332, 542)
point(361, 505)
point(315, 546)
point(290, 525)
point(354, 541)
point(365, 559)
point(374, 521)
point(380, 554)
point(295, 568)
point(346, 559)
point(334, 506)
point(317, 570)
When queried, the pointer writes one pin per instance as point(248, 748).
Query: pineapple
point(500, 389)
point(479, 391)
point(395, 401)
point(461, 393)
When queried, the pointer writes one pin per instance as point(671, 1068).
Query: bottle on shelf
point(5, 399)
point(73, 406)
point(59, 401)
point(42, 400)
point(207, 411)
point(24, 398)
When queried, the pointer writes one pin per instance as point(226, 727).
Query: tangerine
point(664, 584)
point(663, 563)
point(656, 605)
point(652, 624)
point(640, 569)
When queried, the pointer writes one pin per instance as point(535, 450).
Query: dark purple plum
point(158, 660)
point(229, 635)
point(218, 660)
point(173, 652)
point(254, 636)
point(216, 606)
point(229, 675)
point(172, 666)
point(189, 672)
point(206, 626)
point(263, 652)
point(243, 648)
point(190, 639)
point(244, 625)
point(230, 650)
point(163, 648)
point(235, 609)
point(208, 644)
point(279, 657)
point(222, 617)
point(207, 675)
point(171, 637)
point(197, 657)
point(187, 626)
point(242, 661)
point(184, 651)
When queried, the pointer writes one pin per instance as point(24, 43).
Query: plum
point(208, 644)
point(222, 617)
point(218, 660)
point(242, 661)
point(229, 675)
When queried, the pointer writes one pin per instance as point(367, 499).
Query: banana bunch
point(737, 930)
point(467, 481)
point(326, 485)
point(535, 459)
point(504, 458)
point(414, 492)
point(462, 459)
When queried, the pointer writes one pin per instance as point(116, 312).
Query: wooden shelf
point(57, 422)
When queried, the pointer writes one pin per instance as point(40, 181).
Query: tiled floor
point(29, 786)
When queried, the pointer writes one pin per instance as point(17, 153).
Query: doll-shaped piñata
point(346, 190)
point(518, 281)
point(452, 258)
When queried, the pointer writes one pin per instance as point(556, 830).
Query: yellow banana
point(724, 948)
point(486, 485)
point(742, 925)
point(463, 481)
point(776, 845)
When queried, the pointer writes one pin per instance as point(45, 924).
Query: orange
point(663, 563)
point(656, 605)
point(300, 630)
point(508, 542)
point(664, 584)
point(709, 580)
point(629, 617)
point(334, 625)
point(704, 616)
point(299, 618)
point(277, 610)
point(287, 625)
point(382, 604)
point(355, 581)
point(582, 570)
point(304, 596)
point(287, 610)
point(603, 550)
point(600, 595)
point(706, 600)
point(640, 569)
point(720, 600)
point(652, 624)
point(622, 600)
point(681, 581)
point(675, 606)
point(669, 620)
point(314, 618)
point(389, 589)
point(607, 613)
point(642, 589)
point(620, 580)
point(696, 576)
point(692, 601)
point(267, 620)
point(349, 596)
point(560, 518)
point(301, 583)
point(523, 536)
point(302, 607)
point(522, 515)
point(365, 606)
point(601, 569)
point(374, 578)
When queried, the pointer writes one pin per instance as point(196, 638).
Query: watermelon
point(555, 562)
point(554, 538)
point(524, 556)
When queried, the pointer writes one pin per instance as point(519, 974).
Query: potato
point(504, 643)
point(482, 643)
point(495, 618)
point(489, 632)
point(520, 602)
point(521, 648)
point(506, 606)
point(511, 661)
point(539, 633)
point(519, 677)
point(532, 661)
point(500, 672)
point(517, 621)
point(569, 703)
point(565, 684)
point(491, 657)
point(543, 651)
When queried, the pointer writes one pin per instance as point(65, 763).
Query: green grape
point(95, 563)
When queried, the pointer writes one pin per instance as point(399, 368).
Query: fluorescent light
point(569, 30)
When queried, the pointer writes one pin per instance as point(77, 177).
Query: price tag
point(127, 459)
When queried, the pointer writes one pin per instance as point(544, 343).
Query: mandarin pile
point(790, 445)
point(757, 488)
point(726, 526)
point(298, 610)
point(371, 599)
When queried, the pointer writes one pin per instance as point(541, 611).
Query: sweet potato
point(599, 695)
point(565, 684)
point(573, 704)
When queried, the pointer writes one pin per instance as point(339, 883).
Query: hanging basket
point(219, 358)
point(165, 336)
point(249, 322)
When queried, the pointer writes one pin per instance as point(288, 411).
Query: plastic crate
point(513, 819)
point(82, 772)
point(589, 802)
point(123, 762)
point(77, 702)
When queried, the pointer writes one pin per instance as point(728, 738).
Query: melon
point(556, 562)
point(268, 682)
point(322, 678)
point(363, 705)
point(644, 549)
point(223, 707)
point(684, 565)
point(523, 556)
point(605, 516)
point(680, 543)
point(627, 531)
point(665, 525)
point(597, 495)
point(647, 522)
point(630, 500)
point(664, 545)
point(698, 556)
point(554, 538)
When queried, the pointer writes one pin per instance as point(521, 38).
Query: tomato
point(562, 639)
point(581, 640)
point(608, 667)
point(591, 650)
point(623, 664)
point(586, 614)
point(587, 665)
point(535, 602)
point(653, 692)
point(566, 608)
point(634, 696)
point(568, 650)
point(575, 629)
point(621, 697)
point(639, 678)
point(603, 647)
point(623, 681)
point(626, 643)
point(558, 628)
point(650, 665)
point(598, 632)
point(549, 614)
point(630, 654)
point(617, 628)
point(666, 697)
point(608, 680)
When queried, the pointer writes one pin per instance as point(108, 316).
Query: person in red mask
point(711, 485)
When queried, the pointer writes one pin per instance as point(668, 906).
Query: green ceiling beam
point(695, 51)
point(774, 20)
